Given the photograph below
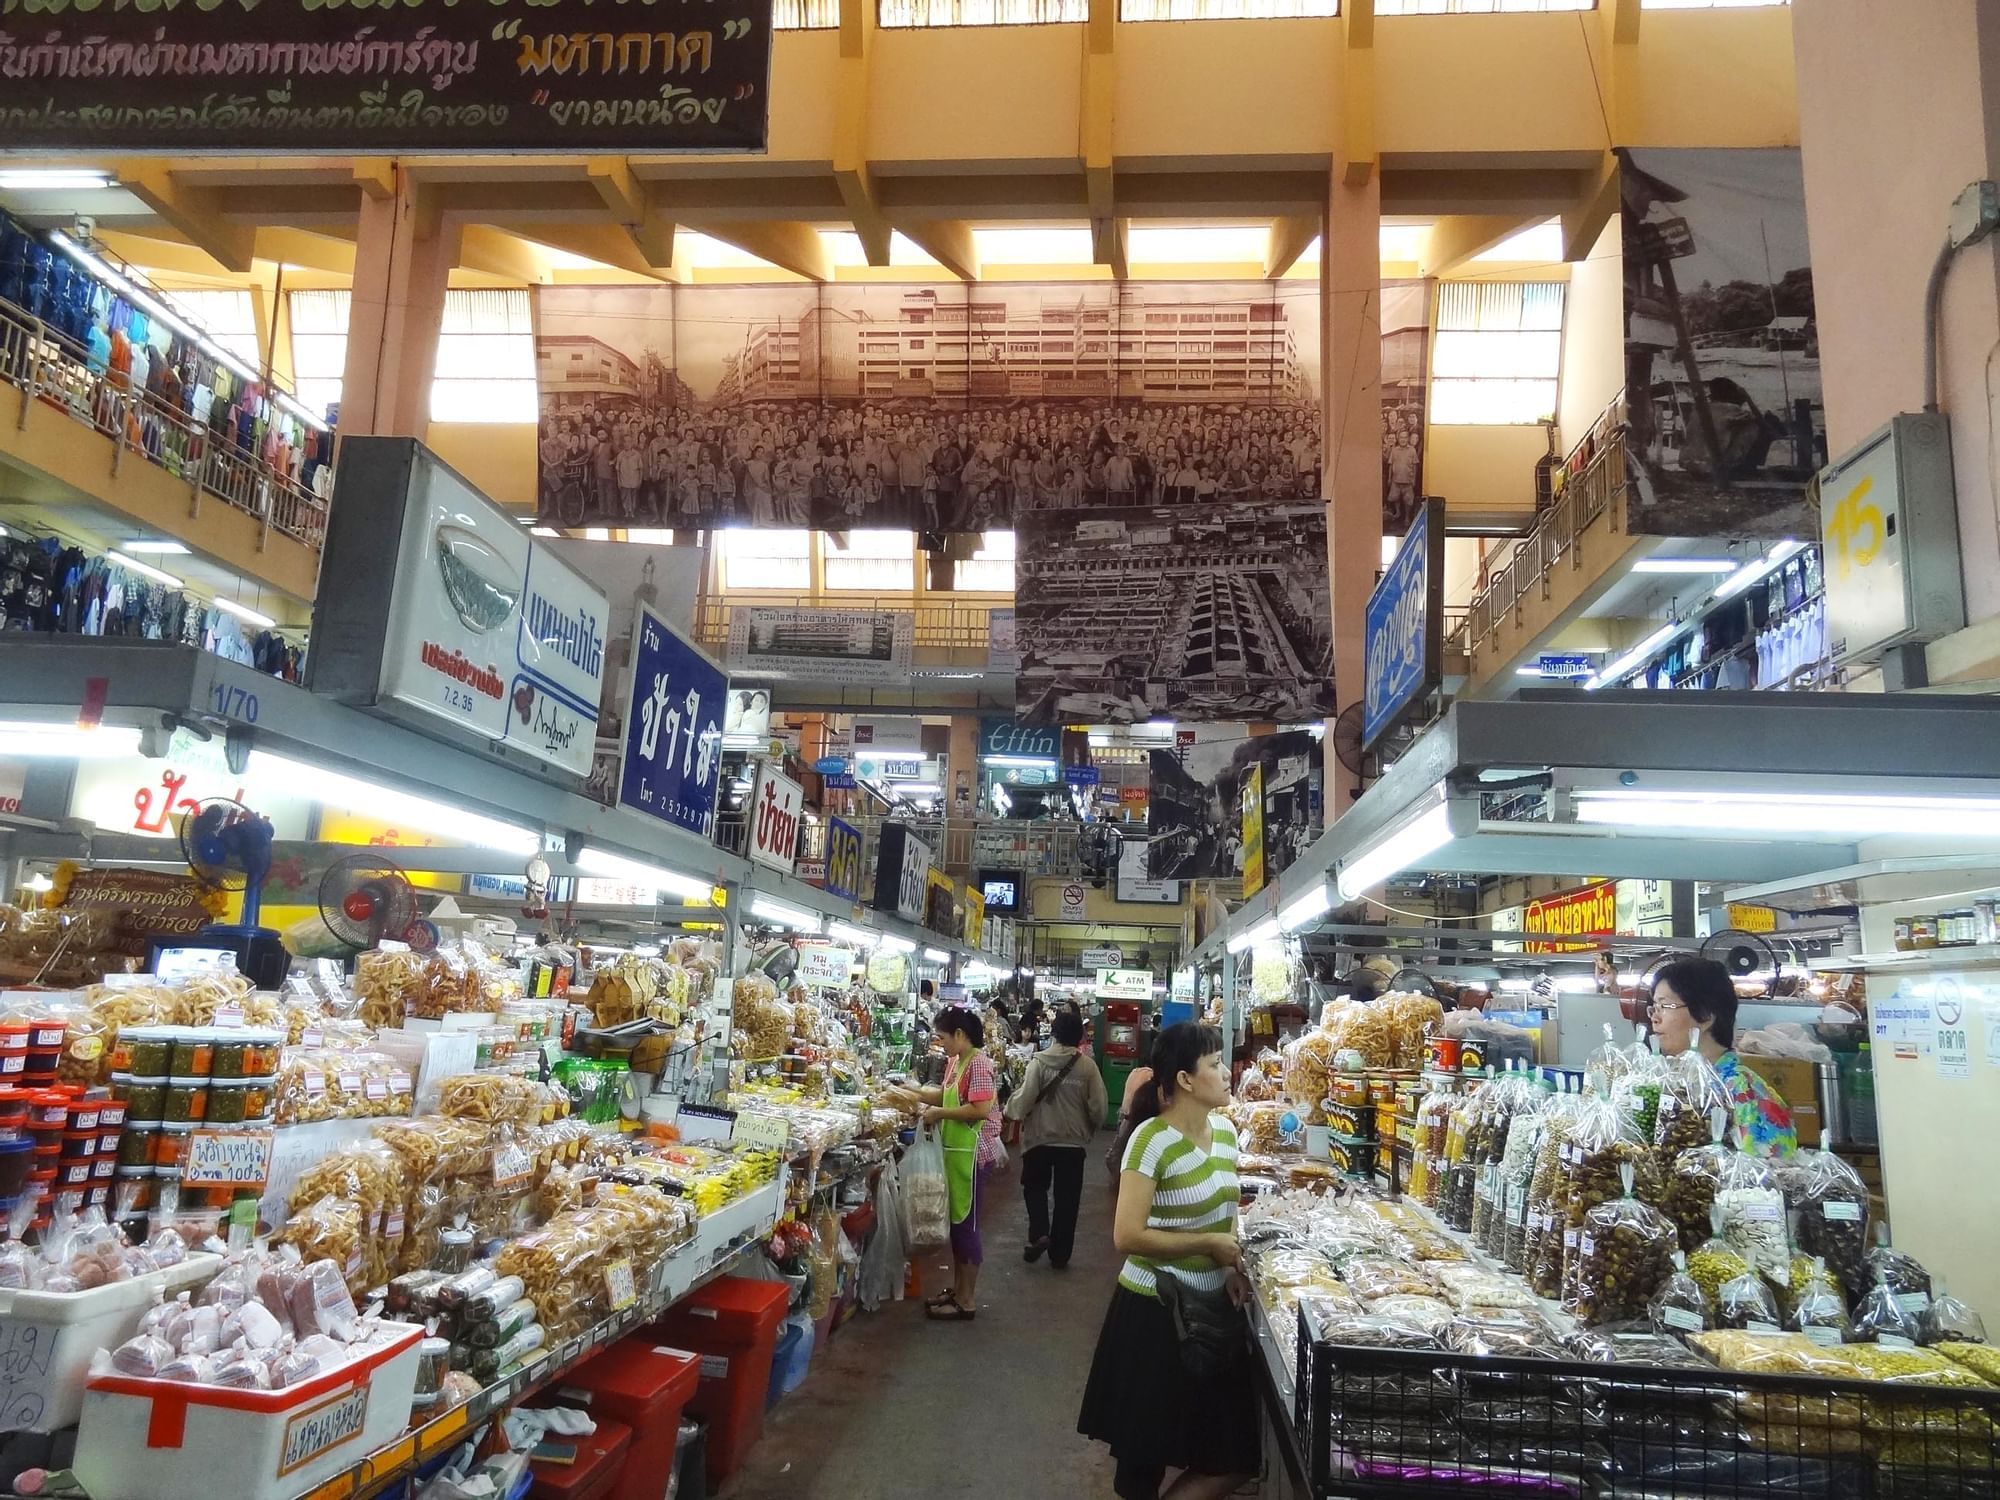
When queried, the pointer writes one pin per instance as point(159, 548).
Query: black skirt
point(1140, 1401)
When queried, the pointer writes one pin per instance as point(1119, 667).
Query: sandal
point(939, 1300)
point(949, 1311)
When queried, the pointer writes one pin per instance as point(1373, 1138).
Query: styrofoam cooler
point(47, 1339)
point(165, 1440)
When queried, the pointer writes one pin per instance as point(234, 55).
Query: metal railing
point(46, 368)
point(948, 626)
point(1583, 501)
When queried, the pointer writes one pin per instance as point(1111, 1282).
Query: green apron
point(960, 1140)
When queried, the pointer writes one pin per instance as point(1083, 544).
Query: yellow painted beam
point(498, 253)
point(949, 242)
point(612, 244)
point(851, 171)
point(1451, 242)
point(623, 194)
point(1359, 150)
point(1357, 20)
point(376, 177)
point(1290, 237)
point(790, 246)
point(300, 247)
point(1108, 241)
point(1596, 201)
point(195, 211)
point(637, 207)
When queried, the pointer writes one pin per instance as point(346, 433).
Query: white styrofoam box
point(164, 1440)
point(47, 1339)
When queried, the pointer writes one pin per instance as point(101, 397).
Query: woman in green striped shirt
point(1176, 1217)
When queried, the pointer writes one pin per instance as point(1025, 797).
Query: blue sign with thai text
point(843, 860)
point(673, 728)
point(831, 765)
point(1402, 632)
point(841, 783)
point(1082, 775)
point(1003, 739)
point(1561, 666)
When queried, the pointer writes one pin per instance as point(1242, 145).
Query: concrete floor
point(899, 1408)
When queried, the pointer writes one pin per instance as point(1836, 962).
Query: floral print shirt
point(1763, 1122)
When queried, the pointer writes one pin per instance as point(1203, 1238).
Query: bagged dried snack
point(1909, 1366)
point(1829, 1205)
point(1746, 1303)
point(1408, 1017)
point(1949, 1321)
point(1427, 1313)
point(1370, 1279)
point(1515, 1333)
point(1629, 1347)
point(1751, 1212)
point(1692, 1099)
point(1714, 1263)
point(1679, 1305)
point(1903, 1275)
point(1982, 1360)
point(1882, 1319)
point(1309, 1074)
point(1469, 1287)
point(1770, 1354)
point(1624, 1254)
point(1819, 1307)
point(1692, 1181)
point(1352, 1026)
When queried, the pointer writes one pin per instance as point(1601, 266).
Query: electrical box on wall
point(1888, 517)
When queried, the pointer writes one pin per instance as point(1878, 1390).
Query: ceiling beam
point(195, 211)
point(1291, 234)
point(1096, 135)
point(481, 247)
point(637, 207)
point(1451, 242)
point(1358, 149)
point(612, 244)
point(949, 242)
point(1584, 218)
point(851, 170)
point(788, 245)
point(1109, 245)
point(376, 177)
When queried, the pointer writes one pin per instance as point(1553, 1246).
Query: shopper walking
point(966, 1115)
point(1176, 1224)
point(1057, 1109)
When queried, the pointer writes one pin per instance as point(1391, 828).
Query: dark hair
point(958, 1018)
point(1177, 1050)
point(926, 989)
point(1000, 1008)
point(1068, 1028)
point(1705, 987)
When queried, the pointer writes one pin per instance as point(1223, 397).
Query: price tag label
point(1690, 1322)
point(218, 1158)
point(619, 1286)
point(1913, 1302)
point(760, 1132)
point(1840, 1212)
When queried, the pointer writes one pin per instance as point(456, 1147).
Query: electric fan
point(229, 848)
point(364, 899)
point(1746, 955)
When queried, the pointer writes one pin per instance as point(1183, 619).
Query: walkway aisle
point(898, 1408)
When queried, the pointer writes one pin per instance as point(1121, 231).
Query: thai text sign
point(843, 860)
point(1403, 626)
point(1589, 912)
point(673, 734)
point(429, 75)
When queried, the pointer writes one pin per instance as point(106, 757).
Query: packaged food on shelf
point(1679, 1306)
point(1950, 1321)
point(1751, 1214)
point(1745, 1302)
point(1624, 1254)
point(1883, 1318)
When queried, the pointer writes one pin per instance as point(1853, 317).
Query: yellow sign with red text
point(1588, 912)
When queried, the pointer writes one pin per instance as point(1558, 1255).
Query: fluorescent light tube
point(144, 570)
point(1019, 760)
point(146, 547)
point(1237, 942)
point(1636, 656)
point(1857, 815)
point(937, 955)
point(390, 805)
point(847, 932)
point(1754, 572)
point(52, 180)
point(1313, 903)
point(1685, 565)
point(633, 872)
point(1527, 671)
point(68, 741)
point(783, 915)
point(893, 944)
point(1396, 851)
point(245, 612)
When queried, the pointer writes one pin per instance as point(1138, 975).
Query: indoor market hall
point(1110, 749)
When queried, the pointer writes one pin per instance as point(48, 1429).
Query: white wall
point(1593, 365)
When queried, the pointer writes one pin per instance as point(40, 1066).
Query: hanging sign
point(1565, 666)
point(1403, 632)
point(1588, 912)
point(1124, 984)
point(843, 860)
point(902, 865)
point(297, 75)
point(1082, 775)
point(1003, 739)
point(1100, 958)
point(823, 645)
point(1072, 904)
point(775, 806)
point(673, 731)
point(825, 965)
point(1253, 831)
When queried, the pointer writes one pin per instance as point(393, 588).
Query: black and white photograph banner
point(822, 645)
point(1194, 808)
point(1725, 425)
point(923, 407)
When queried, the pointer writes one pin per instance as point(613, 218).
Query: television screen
point(1002, 893)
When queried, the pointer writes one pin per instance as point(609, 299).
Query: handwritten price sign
point(217, 1158)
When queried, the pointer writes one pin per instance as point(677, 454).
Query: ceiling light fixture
point(633, 872)
point(783, 915)
point(68, 741)
point(145, 570)
point(847, 932)
point(937, 955)
point(1755, 572)
point(53, 180)
point(246, 613)
point(893, 944)
point(1685, 565)
point(1633, 659)
point(1315, 902)
point(1404, 846)
point(148, 547)
point(1848, 814)
point(395, 806)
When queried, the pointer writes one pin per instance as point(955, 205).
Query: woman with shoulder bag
point(1053, 1115)
point(1166, 1388)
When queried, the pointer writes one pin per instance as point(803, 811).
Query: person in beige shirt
point(1057, 1107)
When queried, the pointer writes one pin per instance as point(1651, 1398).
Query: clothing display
point(1764, 639)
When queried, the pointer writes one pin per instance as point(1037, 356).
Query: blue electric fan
point(228, 847)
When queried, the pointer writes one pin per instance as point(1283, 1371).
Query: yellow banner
point(1752, 918)
point(1253, 831)
point(975, 915)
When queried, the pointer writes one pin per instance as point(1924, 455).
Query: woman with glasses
point(1694, 1008)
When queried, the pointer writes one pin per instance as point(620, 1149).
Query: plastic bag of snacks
point(1546, 1188)
point(1982, 1360)
point(1409, 1018)
point(926, 1194)
point(1746, 1303)
point(1751, 1213)
point(1624, 1253)
point(1818, 1306)
point(1949, 1321)
point(1692, 1181)
point(1598, 1148)
point(1881, 1318)
point(1350, 1025)
point(1714, 1265)
point(387, 985)
point(1636, 1095)
point(1309, 1074)
point(1691, 1095)
point(1829, 1205)
point(1903, 1276)
point(1679, 1306)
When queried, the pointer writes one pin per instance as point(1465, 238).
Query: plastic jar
point(194, 1052)
point(83, 1114)
point(185, 1099)
point(110, 1113)
point(13, 1119)
point(132, 1191)
point(1924, 930)
point(171, 1148)
point(242, 1101)
point(17, 1158)
point(45, 1033)
point(48, 1109)
point(433, 1364)
point(454, 1252)
point(138, 1148)
point(73, 1174)
point(144, 1051)
point(79, 1145)
point(14, 1036)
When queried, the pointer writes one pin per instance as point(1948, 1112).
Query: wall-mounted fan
point(364, 899)
point(1746, 955)
point(229, 848)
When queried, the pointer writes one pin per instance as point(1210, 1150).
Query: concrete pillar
point(403, 256)
point(1899, 109)
point(1350, 290)
point(962, 759)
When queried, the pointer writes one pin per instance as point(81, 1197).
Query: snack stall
point(1778, 801)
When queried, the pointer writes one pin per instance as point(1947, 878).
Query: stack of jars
point(175, 1079)
point(29, 1051)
